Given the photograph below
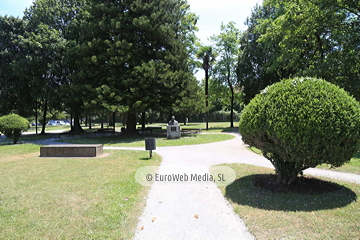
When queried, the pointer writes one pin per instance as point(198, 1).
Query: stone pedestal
point(73, 150)
point(173, 132)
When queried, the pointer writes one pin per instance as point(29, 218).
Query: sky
point(214, 12)
point(211, 13)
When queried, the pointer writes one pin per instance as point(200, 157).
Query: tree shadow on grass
point(110, 139)
point(331, 195)
point(226, 129)
point(231, 129)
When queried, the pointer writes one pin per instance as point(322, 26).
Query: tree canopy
point(130, 56)
point(227, 45)
point(138, 51)
point(318, 38)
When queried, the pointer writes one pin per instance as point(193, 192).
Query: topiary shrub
point(13, 125)
point(300, 123)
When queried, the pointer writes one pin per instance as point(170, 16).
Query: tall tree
point(227, 45)
point(208, 57)
point(192, 101)
point(41, 66)
point(14, 88)
point(51, 38)
point(255, 58)
point(138, 50)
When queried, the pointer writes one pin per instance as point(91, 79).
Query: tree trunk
point(36, 117)
point(124, 117)
point(102, 120)
point(89, 121)
point(232, 107)
point(286, 171)
point(143, 119)
point(114, 119)
point(71, 122)
point(207, 97)
point(77, 127)
point(44, 118)
point(131, 123)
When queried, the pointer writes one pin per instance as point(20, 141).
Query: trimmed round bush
point(300, 123)
point(13, 125)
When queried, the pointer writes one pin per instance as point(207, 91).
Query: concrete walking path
point(195, 211)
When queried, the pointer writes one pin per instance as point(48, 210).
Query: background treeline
point(317, 38)
point(87, 57)
point(136, 60)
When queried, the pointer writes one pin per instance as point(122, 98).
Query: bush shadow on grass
point(110, 139)
point(227, 129)
point(242, 191)
point(231, 129)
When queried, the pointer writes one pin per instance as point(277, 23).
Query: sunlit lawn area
point(268, 215)
point(213, 126)
point(139, 141)
point(50, 128)
point(351, 167)
point(70, 198)
point(24, 138)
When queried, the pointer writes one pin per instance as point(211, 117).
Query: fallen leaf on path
point(126, 199)
point(154, 219)
point(141, 228)
point(196, 216)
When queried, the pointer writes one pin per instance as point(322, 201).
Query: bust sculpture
point(173, 121)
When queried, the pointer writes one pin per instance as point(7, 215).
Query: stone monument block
point(173, 132)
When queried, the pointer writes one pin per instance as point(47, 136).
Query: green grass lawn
point(139, 141)
point(50, 128)
point(351, 167)
point(25, 138)
point(70, 198)
point(213, 126)
point(332, 215)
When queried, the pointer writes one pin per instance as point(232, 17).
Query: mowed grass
point(139, 140)
point(70, 198)
point(332, 215)
point(50, 128)
point(350, 167)
point(213, 126)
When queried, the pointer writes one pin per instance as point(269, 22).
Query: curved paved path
point(175, 205)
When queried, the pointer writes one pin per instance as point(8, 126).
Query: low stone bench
point(105, 130)
point(189, 130)
point(73, 150)
point(150, 129)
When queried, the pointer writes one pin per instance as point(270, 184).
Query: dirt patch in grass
point(302, 185)
point(20, 157)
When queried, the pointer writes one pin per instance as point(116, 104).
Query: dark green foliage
point(14, 89)
point(136, 49)
point(300, 123)
point(13, 125)
point(253, 72)
point(227, 44)
point(285, 38)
